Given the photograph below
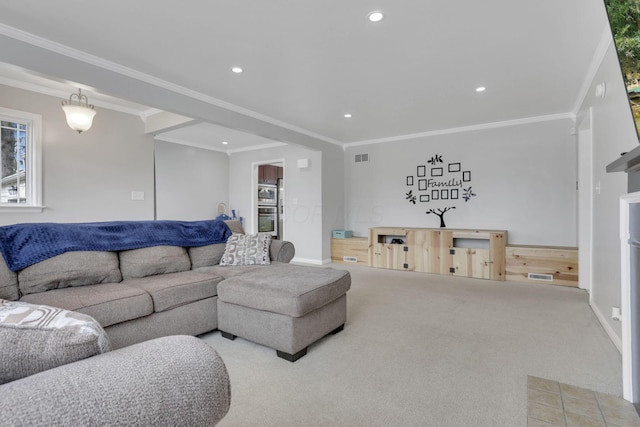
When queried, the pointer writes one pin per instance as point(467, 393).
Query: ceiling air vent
point(362, 158)
point(537, 276)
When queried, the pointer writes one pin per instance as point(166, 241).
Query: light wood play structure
point(482, 254)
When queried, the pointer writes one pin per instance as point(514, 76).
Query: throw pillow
point(247, 249)
point(35, 338)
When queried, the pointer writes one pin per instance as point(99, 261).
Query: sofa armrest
point(282, 250)
point(175, 380)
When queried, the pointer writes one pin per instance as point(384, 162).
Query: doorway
point(269, 198)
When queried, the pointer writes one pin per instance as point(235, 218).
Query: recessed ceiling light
point(481, 89)
point(347, 116)
point(225, 143)
point(237, 70)
point(375, 16)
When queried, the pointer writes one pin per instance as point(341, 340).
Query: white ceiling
point(307, 63)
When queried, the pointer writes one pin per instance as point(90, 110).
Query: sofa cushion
point(205, 256)
point(247, 249)
point(153, 260)
point(8, 282)
point(70, 269)
point(34, 338)
point(235, 226)
point(285, 288)
point(227, 271)
point(108, 303)
point(174, 289)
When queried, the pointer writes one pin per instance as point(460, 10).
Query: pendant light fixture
point(79, 112)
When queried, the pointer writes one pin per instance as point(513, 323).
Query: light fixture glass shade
point(79, 113)
point(79, 118)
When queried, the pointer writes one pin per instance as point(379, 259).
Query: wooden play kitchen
point(483, 254)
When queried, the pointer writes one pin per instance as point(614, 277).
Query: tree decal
point(438, 181)
point(440, 213)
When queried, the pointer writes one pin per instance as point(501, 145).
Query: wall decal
point(440, 213)
point(468, 194)
point(410, 197)
point(433, 182)
point(435, 159)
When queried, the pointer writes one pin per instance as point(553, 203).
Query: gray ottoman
point(284, 306)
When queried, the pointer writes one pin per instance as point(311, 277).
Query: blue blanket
point(22, 245)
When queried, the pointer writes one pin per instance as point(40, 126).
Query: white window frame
point(34, 161)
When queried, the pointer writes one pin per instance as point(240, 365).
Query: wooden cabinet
point(385, 254)
point(543, 264)
point(351, 249)
point(468, 253)
point(268, 174)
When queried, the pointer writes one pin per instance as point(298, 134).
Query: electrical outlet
point(137, 195)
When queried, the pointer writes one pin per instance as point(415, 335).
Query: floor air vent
point(350, 259)
point(536, 276)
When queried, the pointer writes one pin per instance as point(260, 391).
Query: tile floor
point(550, 403)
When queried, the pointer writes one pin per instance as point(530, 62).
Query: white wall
point(303, 195)
point(333, 185)
point(524, 178)
point(88, 176)
point(613, 133)
point(190, 182)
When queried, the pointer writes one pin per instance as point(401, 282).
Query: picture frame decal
point(437, 181)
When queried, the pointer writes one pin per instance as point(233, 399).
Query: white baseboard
point(617, 341)
point(297, 260)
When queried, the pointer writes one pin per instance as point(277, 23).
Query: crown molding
point(147, 78)
point(210, 148)
point(472, 128)
point(58, 93)
point(606, 39)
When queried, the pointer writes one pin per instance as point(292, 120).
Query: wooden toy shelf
point(456, 252)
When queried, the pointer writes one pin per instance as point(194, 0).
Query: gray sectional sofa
point(141, 294)
point(168, 381)
point(61, 317)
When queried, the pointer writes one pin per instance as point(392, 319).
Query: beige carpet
point(426, 350)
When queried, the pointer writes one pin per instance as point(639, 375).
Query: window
point(20, 161)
